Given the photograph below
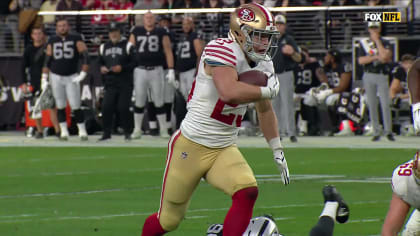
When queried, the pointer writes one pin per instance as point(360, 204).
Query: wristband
point(275, 144)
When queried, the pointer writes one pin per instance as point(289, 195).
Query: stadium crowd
point(319, 95)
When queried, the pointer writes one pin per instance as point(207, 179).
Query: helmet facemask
point(264, 40)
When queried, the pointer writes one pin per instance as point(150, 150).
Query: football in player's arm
point(414, 89)
point(204, 147)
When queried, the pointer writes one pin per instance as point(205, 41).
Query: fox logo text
point(383, 17)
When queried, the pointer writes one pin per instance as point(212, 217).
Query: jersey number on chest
point(152, 43)
point(227, 119)
point(63, 49)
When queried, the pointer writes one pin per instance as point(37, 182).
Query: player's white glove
point(80, 77)
point(416, 117)
point(272, 88)
point(322, 95)
point(44, 81)
point(171, 78)
point(279, 159)
point(281, 163)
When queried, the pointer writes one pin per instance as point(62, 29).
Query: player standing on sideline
point(406, 194)
point(189, 49)
point(116, 58)
point(375, 55)
point(64, 51)
point(205, 146)
point(33, 60)
point(414, 88)
point(287, 59)
point(153, 47)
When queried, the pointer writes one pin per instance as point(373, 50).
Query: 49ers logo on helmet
point(246, 14)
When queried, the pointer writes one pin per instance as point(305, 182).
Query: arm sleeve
point(25, 66)
point(131, 59)
point(100, 55)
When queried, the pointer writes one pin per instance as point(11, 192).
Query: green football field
point(110, 191)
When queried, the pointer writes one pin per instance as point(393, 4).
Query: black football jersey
point(33, 59)
point(186, 58)
point(149, 46)
point(399, 73)
point(65, 57)
point(305, 77)
point(334, 75)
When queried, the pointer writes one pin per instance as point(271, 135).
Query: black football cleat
point(293, 139)
point(332, 195)
point(104, 138)
point(390, 137)
point(376, 138)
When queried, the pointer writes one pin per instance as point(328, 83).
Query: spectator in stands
point(49, 21)
point(211, 24)
point(33, 60)
point(71, 5)
point(123, 5)
point(8, 27)
point(229, 3)
point(285, 61)
point(240, 2)
point(145, 5)
point(276, 3)
point(98, 21)
point(375, 55)
point(173, 4)
point(27, 16)
point(190, 4)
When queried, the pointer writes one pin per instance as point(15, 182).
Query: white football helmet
point(252, 25)
point(261, 226)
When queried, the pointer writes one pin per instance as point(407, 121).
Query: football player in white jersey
point(205, 146)
point(406, 194)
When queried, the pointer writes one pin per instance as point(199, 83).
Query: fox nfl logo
point(383, 17)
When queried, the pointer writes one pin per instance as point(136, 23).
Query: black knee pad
point(138, 109)
point(61, 115)
point(79, 116)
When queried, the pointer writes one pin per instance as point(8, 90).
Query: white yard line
point(202, 210)
point(73, 193)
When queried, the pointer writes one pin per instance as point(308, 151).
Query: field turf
point(106, 191)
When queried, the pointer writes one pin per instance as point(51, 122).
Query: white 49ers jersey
point(405, 186)
point(210, 121)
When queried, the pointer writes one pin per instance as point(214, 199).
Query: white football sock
point(138, 120)
point(152, 124)
point(162, 122)
point(82, 129)
point(63, 129)
point(330, 209)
